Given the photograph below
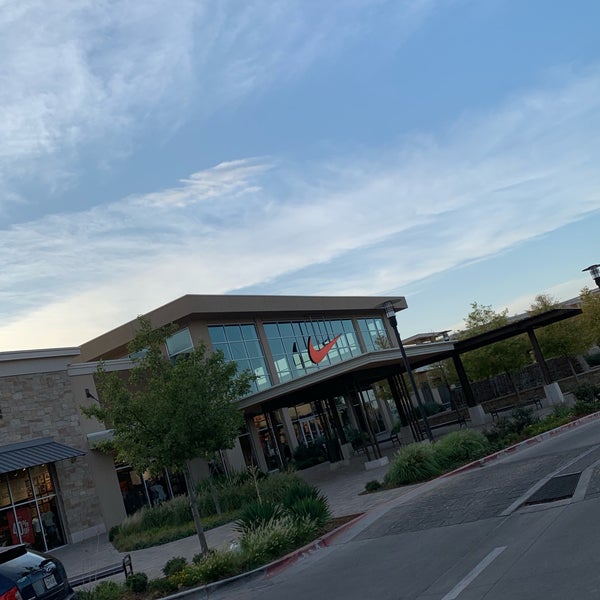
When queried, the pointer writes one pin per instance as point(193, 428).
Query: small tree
point(167, 413)
point(493, 359)
point(590, 305)
point(566, 338)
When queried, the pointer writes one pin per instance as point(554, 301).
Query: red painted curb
point(282, 563)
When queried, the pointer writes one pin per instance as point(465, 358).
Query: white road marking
point(463, 583)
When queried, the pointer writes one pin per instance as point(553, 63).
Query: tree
point(500, 357)
point(166, 413)
point(590, 305)
point(565, 338)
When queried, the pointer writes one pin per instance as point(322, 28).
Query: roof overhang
point(34, 452)
point(370, 366)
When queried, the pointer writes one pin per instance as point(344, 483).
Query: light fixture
point(595, 273)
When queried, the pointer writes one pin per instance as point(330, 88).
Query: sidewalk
point(342, 487)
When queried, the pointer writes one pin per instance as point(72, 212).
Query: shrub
point(587, 392)
point(460, 447)
point(298, 490)
point(106, 590)
point(174, 565)
point(137, 582)
point(219, 564)
point(372, 486)
point(161, 586)
point(257, 514)
point(413, 463)
point(593, 359)
point(311, 508)
point(263, 544)
point(309, 455)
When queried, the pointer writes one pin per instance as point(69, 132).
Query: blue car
point(29, 575)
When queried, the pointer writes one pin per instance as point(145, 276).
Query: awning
point(34, 452)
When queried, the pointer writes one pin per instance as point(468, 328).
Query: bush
point(174, 565)
point(105, 590)
point(219, 564)
point(263, 544)
point(309, 455)
point(413, 463)
point(460, 447)
point(137, 582)
point(372, 486)
point(310, 508)
point(257, 514)
point(298, 490)
point(161, 586)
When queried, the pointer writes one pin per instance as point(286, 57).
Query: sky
point(442, 150)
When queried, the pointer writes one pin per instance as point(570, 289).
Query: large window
point(240, 343)
point(374, 334)
point(29, 509)
point(289, 346)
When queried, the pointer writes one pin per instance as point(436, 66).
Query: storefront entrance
point(29, 511)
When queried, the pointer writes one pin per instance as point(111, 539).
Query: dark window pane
point(216, 333)
point(249, 332)
point(238, 350)
point(233, 333)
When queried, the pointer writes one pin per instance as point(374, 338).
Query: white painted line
point(463, 583)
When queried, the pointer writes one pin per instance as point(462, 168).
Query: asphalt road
point(468, 537)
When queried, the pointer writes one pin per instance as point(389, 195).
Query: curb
point(525, 443)
point(273, 568)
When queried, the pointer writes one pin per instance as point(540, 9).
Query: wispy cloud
point(358, 225)
point(93, 74)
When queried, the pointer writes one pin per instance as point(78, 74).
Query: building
point(324, 367)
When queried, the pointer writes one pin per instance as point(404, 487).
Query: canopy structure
point(34, 452)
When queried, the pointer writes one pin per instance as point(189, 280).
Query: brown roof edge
point(211, 306)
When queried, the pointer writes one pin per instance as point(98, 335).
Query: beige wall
point(42, 404)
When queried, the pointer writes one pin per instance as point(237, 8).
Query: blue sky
point(446, 151)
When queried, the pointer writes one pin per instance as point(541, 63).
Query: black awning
point(34, 452)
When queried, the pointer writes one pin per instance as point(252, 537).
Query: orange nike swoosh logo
point(316, 356)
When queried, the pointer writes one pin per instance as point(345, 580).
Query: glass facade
point(374, 334)
point(29, 509)
point(240, 343)
point(288, 342)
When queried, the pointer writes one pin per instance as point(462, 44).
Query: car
point(33, 575)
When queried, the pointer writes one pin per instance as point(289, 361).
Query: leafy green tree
point(501, 357)
point(166, 413)
point(590, 305)
point(566, 338)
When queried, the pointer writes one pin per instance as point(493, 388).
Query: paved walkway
point(342, 486)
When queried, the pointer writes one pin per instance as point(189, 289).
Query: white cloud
point(492, 181)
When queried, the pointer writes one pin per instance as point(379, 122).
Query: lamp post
point(390, 313)
point(595, 273)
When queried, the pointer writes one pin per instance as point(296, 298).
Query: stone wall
point(42, 405)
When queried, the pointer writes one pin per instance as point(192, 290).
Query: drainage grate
point(557, 488)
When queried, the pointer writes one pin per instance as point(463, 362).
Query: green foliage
point(372, 486)
point(565, 338)
point(263, 544)
point(174, 565)
point(256, 514)
point(161, 587)
point(412, 463)
point(587, 392)
point(309, 455)
point(219, 564)
point(137, 582)
point(590, 305)
point(298, 490)
point(460, 447)
point(105, 590)
point(312, 509)
point(168, 413)
point(501, 357)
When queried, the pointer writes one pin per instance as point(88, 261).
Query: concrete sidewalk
point(342, 487)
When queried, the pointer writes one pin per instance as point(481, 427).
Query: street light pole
point(391, 315)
